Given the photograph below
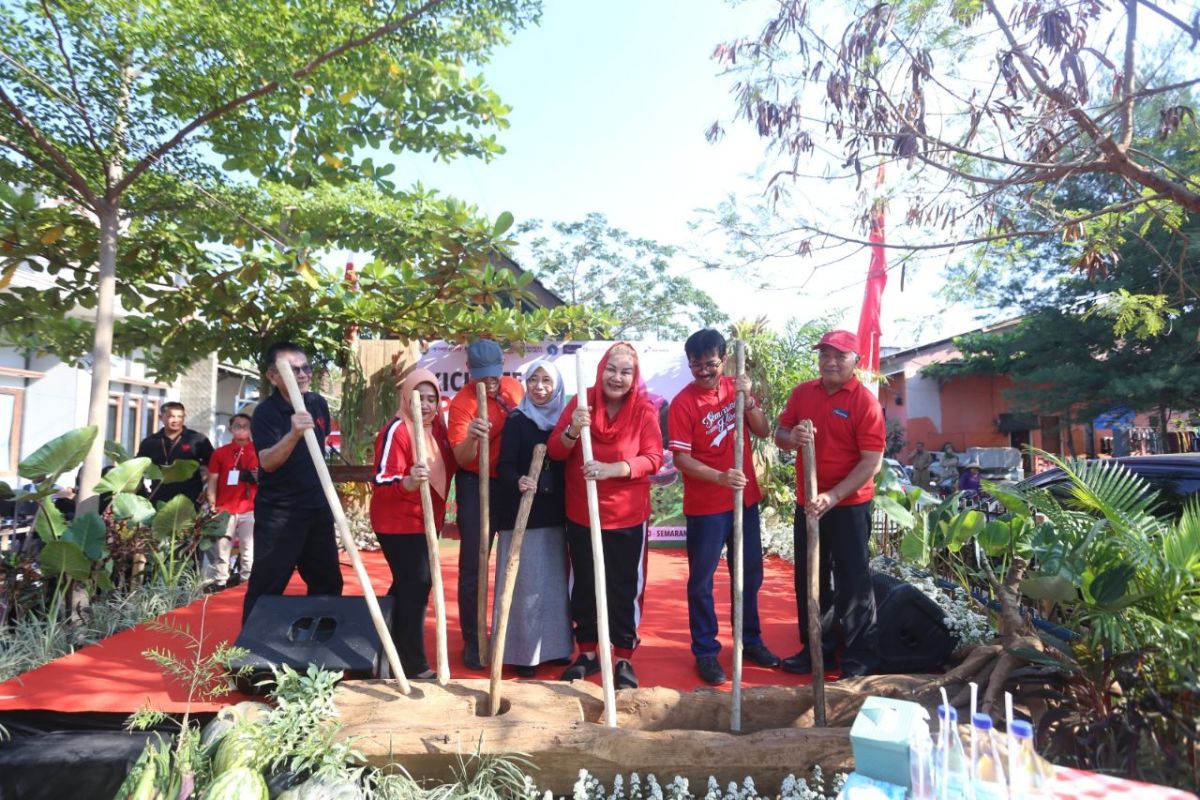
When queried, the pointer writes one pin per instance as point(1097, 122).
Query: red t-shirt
point(464, 408)
point(624, 502)
point(393, 508)
point(238, 498)
point(848, 422)
point(700, 423)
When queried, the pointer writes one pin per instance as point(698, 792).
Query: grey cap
point(484, 359)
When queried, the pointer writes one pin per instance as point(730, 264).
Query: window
point(10, 429)
point(131, 418)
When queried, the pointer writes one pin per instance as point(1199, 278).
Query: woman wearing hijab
point(539, 622)
point(627, 448)
point(396, 514)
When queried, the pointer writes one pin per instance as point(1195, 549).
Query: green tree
point(129, 123)
point(636, 283)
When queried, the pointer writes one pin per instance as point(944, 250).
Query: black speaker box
point(913, 637)
point(335, 633)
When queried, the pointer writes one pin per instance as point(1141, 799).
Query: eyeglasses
point(698, 365)
point(303, 369)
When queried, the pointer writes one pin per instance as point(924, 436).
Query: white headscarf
point(544, 416)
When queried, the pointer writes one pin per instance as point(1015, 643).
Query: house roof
point(543, 297)
point(891, 362)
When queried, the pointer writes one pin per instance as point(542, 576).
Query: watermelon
point(239, 783)
point(324, 788)
point(228, 717)
point(236, 749)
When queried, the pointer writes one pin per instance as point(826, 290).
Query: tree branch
point(62, 49)
point(73, 178)
point(1193, 31)
point(1128, 78)
point(267, 89)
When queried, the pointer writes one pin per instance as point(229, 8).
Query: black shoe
point(626, 677)
point(471, 655)
point(801, 663)
point(559, 662)
point(854, 669)
point(524, 671)
point(710, 671)
point(759, 654)
point(213, 588)
point(582, 667)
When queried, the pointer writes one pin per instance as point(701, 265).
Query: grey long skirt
point(539, 619)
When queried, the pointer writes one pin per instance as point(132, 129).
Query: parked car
point(1176, 477)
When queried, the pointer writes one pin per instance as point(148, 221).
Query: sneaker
point(525, 671)
point(710, 670)
point(626, 677)
point(759, 654)
point(582, 667)
point(801, 663)
point(471, 655)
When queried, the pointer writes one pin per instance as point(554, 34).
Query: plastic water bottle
point(987, 773)
point(1027, 780)
point(920, 764)
point(952, 779)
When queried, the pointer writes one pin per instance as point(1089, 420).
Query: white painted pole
point(739, 572)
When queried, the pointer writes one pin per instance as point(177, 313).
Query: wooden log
point(431, 544)
point(485, 526)
point(284, 368)
point(511, 565)
point(813, 526)
point(593, 500)
point(739, 572)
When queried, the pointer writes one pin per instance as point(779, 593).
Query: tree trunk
point(102, 348)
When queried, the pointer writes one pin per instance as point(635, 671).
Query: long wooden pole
point(284, 367)
point(511, 565)
point(485, 527)
point(593, 501)
point(739, 572)
point(815, 648)
point(431, 544)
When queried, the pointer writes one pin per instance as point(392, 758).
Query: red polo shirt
point(465, 407)
point(701, 423)
point(238, 498)
point(848, 422)
point(394, 509)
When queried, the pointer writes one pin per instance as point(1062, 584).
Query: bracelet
point(567, 433)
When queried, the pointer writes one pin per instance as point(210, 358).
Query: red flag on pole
point(869, 330)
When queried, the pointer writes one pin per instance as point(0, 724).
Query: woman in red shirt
point(396, 514)
point(627, 448)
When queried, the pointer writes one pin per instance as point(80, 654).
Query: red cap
point(845, 341)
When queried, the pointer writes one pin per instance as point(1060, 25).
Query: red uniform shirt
point(394, 509)
point(238, 498)
point(848, 422)
point(465, 407)
point(700, 423)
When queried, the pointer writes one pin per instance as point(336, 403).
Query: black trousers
point(466, 493)
point(289, 539)
point(625, 554)
point(845, 581)
point(408, 557)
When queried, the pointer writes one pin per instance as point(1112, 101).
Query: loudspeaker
point(913, 637)
point(335, 633)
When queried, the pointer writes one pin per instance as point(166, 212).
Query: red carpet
point(113, 676)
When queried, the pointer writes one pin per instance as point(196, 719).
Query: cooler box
point(880, 736)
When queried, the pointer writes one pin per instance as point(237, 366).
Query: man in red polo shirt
point(485, 364)
point(232, 486)
point(849, 437)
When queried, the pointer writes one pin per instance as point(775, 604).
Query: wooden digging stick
point(284, 368)
point(816, 656)
point(593, 501)
point(431, 544)
point(739, 572)
point(511, 565)
point(485, 526)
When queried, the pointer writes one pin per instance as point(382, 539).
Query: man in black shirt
point(293, 525)
point(175, 442)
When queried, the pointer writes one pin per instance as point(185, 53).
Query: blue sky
point(610, 104)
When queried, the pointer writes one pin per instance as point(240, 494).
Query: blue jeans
point(707, 534)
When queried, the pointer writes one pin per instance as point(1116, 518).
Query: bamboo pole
point(284, 367)
point(431, 544)
point(511, 565)
point(485, 526)
point(817, 657)
point(739, 572)
point(593, 501)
